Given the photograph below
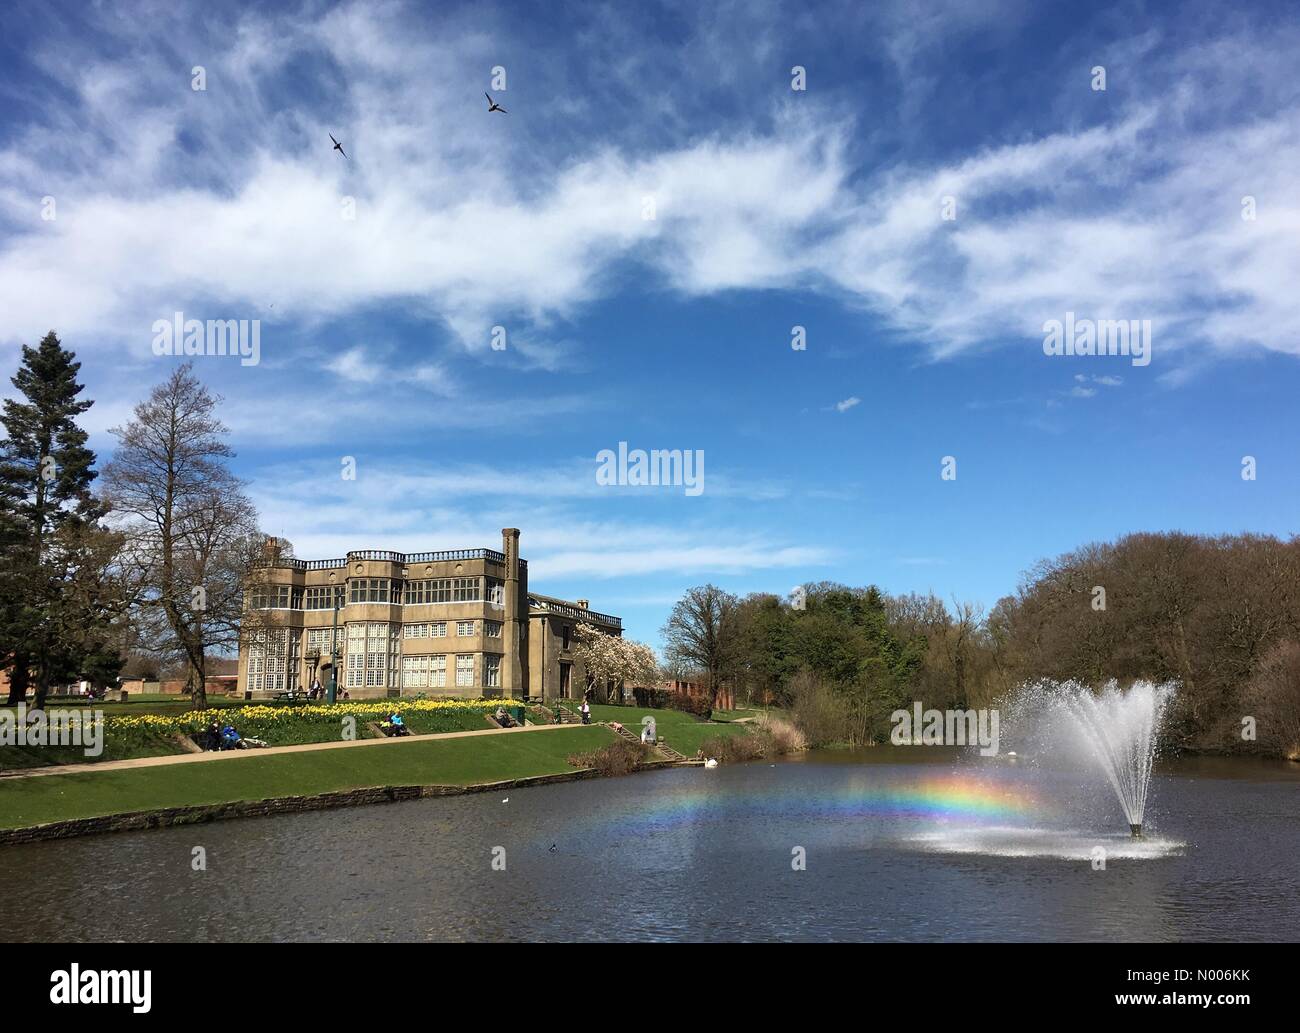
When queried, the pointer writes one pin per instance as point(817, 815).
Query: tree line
point(146, 558)
point(1219, 615)
point(149, 558)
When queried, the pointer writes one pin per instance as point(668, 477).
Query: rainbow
point(956, 798)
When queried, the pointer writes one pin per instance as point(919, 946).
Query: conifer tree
point(46, 472)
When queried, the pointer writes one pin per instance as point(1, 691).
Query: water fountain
point(1118, 730)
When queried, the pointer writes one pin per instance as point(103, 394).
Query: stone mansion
point(455, 623)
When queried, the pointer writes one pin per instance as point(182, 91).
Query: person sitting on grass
point(503, 719)
point(396, 726)
point(232, 740)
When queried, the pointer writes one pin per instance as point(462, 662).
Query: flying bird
point(338, 146)
point(494, 106)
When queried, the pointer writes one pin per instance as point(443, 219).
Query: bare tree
point(701, 632)
point(191, 533)
point(1273, 694)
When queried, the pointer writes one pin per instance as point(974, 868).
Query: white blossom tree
point(611, 662)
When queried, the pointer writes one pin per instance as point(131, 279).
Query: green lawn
point(683, 732)
point(487, 758)
point(734, 715)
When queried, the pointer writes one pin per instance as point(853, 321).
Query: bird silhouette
point(494, 106)
point(552, 850)
point(338, 146)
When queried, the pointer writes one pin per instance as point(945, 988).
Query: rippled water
point(948, 850)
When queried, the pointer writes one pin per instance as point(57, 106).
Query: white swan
point(710, 763)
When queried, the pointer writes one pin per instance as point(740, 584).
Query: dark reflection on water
point(896, 849)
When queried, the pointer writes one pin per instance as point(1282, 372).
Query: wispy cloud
point(446, 228)
point(1086, 384)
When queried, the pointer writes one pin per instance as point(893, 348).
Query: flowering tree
point(611, 661)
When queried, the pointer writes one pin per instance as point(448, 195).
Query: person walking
point(585, 710)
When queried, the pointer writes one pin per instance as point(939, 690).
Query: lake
point(896, 844)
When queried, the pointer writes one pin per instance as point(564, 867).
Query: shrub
point(735, 749)
point(618, 758)
point(700, 706)
point(773, 737)
point(662, 699)
point(653, 699)
point(817, 711)
point(786, 737)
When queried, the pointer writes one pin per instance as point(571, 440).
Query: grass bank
point(735, 715)
point(252, 776)
point(683, 732)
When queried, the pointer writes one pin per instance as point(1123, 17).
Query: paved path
point(214, 756)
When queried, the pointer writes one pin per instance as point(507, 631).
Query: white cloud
point(1086, 384)
point(459, 222)
point(320, 513)
point(362, 367)
point(355, 367)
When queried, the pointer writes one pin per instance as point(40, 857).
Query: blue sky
point(773, 208)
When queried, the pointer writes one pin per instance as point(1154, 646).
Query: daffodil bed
point(150, 735)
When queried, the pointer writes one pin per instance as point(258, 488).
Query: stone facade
point(556, 672)
point(457, 623)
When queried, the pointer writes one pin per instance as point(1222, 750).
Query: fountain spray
point(1120, 731)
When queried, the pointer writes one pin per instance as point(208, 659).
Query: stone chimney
point(512, 679)
point(584, 604)
point(271, 550)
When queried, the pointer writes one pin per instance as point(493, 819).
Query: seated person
point(503, 719)
point(230, 739)
point(396, 726)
